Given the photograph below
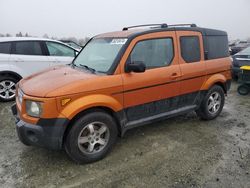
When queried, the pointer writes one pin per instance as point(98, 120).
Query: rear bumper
point(46, 133)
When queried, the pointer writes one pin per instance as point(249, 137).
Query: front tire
point(7, 88)
point(212, 104)
point(91, 137)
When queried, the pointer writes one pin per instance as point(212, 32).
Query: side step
point(158, 117)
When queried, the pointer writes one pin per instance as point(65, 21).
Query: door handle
point(175, 76)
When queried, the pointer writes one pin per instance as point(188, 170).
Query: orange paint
point(122, 90)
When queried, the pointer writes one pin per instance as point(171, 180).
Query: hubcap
point(93, 138)
point(7, 89)
point(214, 103)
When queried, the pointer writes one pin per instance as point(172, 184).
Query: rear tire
point(212, 104)
point(7, 88)
point(91, 137)
point(243, 89)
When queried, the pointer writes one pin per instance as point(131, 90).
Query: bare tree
point(54, 38)
point(45, 36)
point(19, 34)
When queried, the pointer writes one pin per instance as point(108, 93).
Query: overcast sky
point(80, 18)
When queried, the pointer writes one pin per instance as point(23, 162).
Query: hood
point(57, 81)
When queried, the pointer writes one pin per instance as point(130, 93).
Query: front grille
point(245, 75)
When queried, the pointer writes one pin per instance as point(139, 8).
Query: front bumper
point(46, 133)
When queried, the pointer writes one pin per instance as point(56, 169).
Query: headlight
point(20, 95)
point(33, 109)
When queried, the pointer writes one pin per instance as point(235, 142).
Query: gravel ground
point(179, 152)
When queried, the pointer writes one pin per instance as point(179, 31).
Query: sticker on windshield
point(118, 41)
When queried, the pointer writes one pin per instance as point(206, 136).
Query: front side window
point(28, 48)
point(5, 47)
point(57, 49)
point(100, 53)
point(190, 49)
point(153, 53)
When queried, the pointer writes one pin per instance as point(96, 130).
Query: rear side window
point(57, 49)
point(28, 48)
point(217, 47)
point(154, 53)
point(190, 48)
point(5, 47)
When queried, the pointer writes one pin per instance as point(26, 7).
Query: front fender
point(18, 70)
point(90, 101)
point(8, 68)
point(216, 78)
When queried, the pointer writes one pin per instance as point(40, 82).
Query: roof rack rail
point(164, 25)
point(181, 25)
point(145, 25)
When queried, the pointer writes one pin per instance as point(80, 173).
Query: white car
point(23, 56)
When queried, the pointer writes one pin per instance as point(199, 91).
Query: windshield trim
point(73, 62)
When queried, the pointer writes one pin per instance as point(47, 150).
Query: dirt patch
point(179, 152)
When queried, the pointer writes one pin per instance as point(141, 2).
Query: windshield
point(245, 51)
point(99, 54)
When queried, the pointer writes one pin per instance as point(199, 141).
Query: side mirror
point(135, 66)
point(76, 53)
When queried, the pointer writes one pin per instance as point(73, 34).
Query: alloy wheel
point(93, 138)
point(214, 103)
point(7, 89)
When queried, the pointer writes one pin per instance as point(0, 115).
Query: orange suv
point(121, 80)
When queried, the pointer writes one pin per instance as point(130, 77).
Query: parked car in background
point(233, 43)
point(240, 59)
point(239, 47)
point(23, 56)
point(72, 44)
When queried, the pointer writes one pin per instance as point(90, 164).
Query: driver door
point(156, 90)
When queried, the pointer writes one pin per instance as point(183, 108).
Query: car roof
point(11, 39)
point(121, 34)
point(68, 41)
point(15, 39)
point(135, 32)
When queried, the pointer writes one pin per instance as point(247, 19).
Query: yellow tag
point(65, 101)
point(245, 67)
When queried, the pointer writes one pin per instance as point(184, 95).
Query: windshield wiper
point(88, 68)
